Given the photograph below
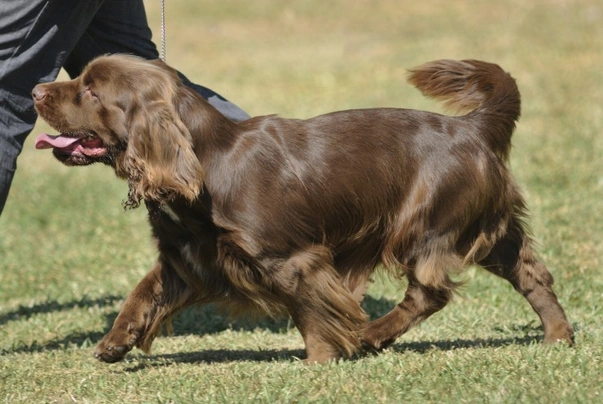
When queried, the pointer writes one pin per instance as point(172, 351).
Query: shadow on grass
point(51, 306)
point(209, 320)
point(451, 345)
point(210, 356)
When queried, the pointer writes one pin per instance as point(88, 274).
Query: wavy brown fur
point(275, 215)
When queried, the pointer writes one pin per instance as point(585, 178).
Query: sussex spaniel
point(293, 216)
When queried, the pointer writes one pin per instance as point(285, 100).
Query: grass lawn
point(69, 254)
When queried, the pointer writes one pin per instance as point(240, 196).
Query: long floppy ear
point(160, 159)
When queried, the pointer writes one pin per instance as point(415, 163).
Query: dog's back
point(375, 183)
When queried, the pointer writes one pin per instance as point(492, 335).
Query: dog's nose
point(38, 93)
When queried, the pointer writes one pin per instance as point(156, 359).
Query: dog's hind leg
point(429, 290)
point(512, 258)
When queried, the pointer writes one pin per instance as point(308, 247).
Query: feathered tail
point(473, 85)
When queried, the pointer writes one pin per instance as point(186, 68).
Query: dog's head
point(123, 111)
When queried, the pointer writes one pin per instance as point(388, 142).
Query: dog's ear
point(160, 161)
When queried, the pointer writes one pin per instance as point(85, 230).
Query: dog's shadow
point(210, 320)
point(209, 356)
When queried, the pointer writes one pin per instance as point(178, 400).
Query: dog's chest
point(167, 210)
point(180, 219)
point(187, 232)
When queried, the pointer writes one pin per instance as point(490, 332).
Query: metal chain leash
point(162, 30)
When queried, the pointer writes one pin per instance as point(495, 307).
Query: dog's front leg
point(325, 311)
point(158, 296)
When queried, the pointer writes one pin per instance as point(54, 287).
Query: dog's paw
point(374, 337)
point(561, 332)
point(116, 344)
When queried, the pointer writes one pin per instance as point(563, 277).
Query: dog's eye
point(87, 91)
point(91, 92)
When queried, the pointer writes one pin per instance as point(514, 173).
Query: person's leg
point(122, 27)
point(35, 38)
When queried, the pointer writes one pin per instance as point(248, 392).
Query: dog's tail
point(473, 85)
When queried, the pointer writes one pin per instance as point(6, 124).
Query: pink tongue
point(45, 141)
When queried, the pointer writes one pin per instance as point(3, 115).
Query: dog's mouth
point(73, 144)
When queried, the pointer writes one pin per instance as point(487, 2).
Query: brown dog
point(280, 215)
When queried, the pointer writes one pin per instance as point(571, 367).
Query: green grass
point(69, 254)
